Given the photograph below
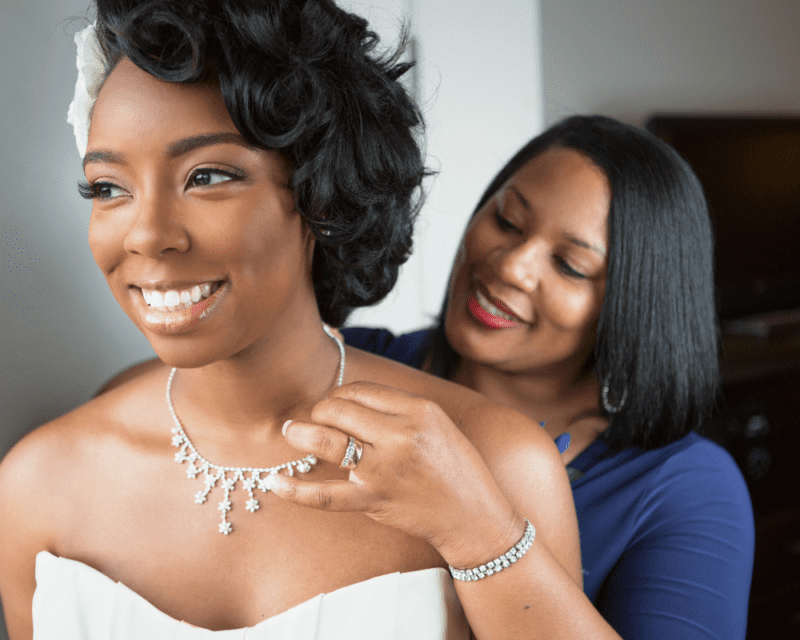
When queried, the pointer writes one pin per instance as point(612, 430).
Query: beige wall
point(629, 58)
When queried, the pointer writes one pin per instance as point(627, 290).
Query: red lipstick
point(486, 318)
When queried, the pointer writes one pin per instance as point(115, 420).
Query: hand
point(418, 472)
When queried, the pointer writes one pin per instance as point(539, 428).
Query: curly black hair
point(305, 78)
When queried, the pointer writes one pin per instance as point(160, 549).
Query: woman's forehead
point(133, 101)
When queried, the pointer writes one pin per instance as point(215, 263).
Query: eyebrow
point(573, 239)
point(174, 149)
point(522, 199)
point(593, 247)
point(103, 156)
point(186, 145)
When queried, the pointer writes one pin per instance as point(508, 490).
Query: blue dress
point(667, 535)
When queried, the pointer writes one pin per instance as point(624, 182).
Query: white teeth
point(172, 299)
point(177, 300)
point(483, 301)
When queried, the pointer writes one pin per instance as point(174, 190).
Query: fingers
point(370, 412)
point(353, 418)
point(330, 495)
point(378, 397)
point(324, 442)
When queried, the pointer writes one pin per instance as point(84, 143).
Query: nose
point(156, 228)
point(520, 265)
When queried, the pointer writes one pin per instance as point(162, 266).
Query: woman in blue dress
point(582, 296)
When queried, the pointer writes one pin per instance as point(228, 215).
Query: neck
point(281, 377)
point(557, 396)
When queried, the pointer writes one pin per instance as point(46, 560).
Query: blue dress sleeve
point(408, 348)
point(687, 572)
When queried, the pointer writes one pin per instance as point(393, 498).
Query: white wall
point(62, 330)
point(479, 83)
point(629, 58)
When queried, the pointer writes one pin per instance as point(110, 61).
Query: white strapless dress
point(73, 601)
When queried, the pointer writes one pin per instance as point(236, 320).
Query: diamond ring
point(352, 455)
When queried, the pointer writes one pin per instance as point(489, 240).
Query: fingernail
point(283, 428)
point(271, 481)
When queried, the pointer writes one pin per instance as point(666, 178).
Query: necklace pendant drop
point(227, 478)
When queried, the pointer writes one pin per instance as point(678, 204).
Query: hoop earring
point(607, 405)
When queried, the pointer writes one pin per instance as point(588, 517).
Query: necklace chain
point(228, 477)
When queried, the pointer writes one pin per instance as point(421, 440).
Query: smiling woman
point(254, 171)
point(583, 296)
point(183, 180)
point(544, 231)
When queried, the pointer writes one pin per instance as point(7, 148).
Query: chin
point(191, 352)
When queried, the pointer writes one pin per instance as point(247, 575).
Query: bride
point(252, 168)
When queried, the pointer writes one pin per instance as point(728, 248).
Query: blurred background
point(489, 75)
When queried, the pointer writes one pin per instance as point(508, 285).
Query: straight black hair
point(657, 337)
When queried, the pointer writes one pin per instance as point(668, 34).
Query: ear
point(310, 240)
point(311, 243)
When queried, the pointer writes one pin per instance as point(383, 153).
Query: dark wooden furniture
point(760, 425)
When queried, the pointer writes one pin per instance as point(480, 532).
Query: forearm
point(533, 598)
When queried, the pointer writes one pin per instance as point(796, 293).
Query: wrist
point(503, 561)
point(486, 541)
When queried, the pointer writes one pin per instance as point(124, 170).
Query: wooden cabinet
point(759, 423)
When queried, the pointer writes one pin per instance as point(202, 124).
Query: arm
point(647, 594)
point(419, 473)
point(687, 573)
point(28, 510)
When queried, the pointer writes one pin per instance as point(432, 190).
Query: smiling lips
point(489, 314)
point(175, 300)
point(176, 311)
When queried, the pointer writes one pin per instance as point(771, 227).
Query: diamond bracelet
point(504, 561)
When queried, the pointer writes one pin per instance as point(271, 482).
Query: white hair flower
point(91, 70)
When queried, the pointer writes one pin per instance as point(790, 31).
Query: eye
point(100, 190)
point(211, 177)
point(566, 269)
point(505, 224)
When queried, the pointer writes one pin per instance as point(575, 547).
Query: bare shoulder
point(521, 456)
point(496, 431)
point(136, 371)
point(40, 481)
point(33, 473)
point(39, 473)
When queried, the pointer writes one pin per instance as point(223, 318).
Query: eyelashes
point(504, 223)
point(567, 270)
point(205, 177)
point(99, 190)
point(85, 190)
point(507, 226)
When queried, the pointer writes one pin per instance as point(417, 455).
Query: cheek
point(261, 243)
point(457, 272)
point(104, 243)
point(472, 252)
point(468, 256)
point(478, 241)
point(571, 307)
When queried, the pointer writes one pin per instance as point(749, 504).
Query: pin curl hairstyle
point(305, 78)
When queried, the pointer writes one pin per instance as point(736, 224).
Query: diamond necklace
point(227, 477)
